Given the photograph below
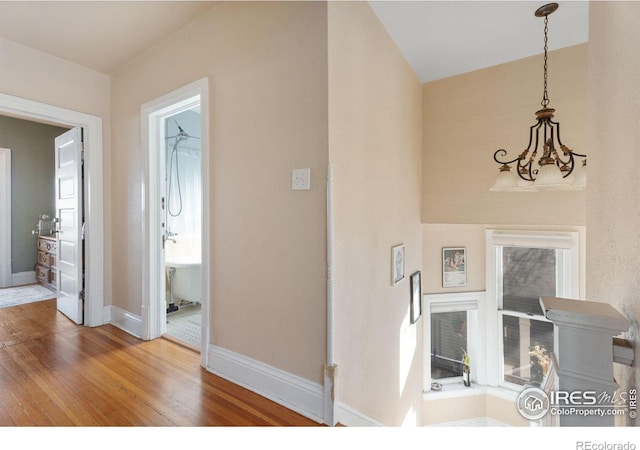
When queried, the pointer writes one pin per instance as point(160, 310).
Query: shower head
point(182, 135)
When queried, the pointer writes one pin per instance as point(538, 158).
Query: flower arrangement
point(540, 362)
point(466, 370)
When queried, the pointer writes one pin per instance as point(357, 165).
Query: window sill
point(456, 390)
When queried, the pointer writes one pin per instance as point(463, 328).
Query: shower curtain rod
point(182, 135)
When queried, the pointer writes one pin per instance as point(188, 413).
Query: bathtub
point(184, 256)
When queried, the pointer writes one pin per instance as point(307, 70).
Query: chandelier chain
point(545, 97)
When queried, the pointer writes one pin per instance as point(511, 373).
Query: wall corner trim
point(291, 391)
point(124, 320)
point(350, 417)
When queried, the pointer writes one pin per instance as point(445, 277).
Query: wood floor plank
point(55, 373)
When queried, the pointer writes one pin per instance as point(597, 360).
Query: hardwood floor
point(54, 373)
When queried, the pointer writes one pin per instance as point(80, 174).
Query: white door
point(68, 179)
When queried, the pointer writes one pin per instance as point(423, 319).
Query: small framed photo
point(416, 295)
point(454, 267)
point(397, 264)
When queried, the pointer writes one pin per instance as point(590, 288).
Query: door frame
point(152, 114)
point(5, 218)
point(93, 190)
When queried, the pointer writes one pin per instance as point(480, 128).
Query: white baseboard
point(124, 320)
point(296, 393)
point(477, 422)
point(349, 417)
point(20, 278)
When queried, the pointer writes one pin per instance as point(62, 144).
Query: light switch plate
point(300, 179)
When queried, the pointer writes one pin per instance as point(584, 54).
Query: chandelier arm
point(571, 164)
point(562, 146)
point(525, 161)
point(531, 128)
point(503, 153)
point(557, 126)
point(527, 174)
point(570, 160)
point(548, 129)
point(534, 129)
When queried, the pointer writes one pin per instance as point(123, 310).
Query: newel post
point(584, 351)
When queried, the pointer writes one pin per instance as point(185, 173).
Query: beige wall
point(613, 213)
point(375, 146)
point(468, 408)
point(446, 410)
point(267, 69)
point(437, 236)
point(466, 118)
point(504, 411)
point(47, 79)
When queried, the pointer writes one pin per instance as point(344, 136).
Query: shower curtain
point(185, 195)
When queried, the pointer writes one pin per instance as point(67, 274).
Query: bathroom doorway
point(183, 222)
point(176, 262)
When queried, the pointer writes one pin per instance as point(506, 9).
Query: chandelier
point(558, 166)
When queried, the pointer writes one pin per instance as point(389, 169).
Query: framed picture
point(397, 264)
point(416, 295)
point(454, 267)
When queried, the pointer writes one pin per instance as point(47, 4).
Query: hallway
point(54, 373)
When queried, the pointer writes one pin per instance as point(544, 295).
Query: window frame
point(453, 302)
point(567, 285)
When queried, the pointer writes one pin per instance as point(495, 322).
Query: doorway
point(176, 257)
point(182, 194)
point(93, 186)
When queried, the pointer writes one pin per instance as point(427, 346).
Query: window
point(521, 268)
point(449, 342)
point(452, 331)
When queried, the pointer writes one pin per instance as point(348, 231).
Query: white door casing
point(69, 214)
point(153, 114)
point(95, 259)
point(5, 217)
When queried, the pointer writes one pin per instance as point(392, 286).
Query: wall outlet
point(300, 179)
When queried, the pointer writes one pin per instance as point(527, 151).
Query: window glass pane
point(528, 344)
point(448, 343)
point(527, 275)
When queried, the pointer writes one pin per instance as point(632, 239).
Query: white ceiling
point(101, 35)
point(444, 38)
point(438, 38)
